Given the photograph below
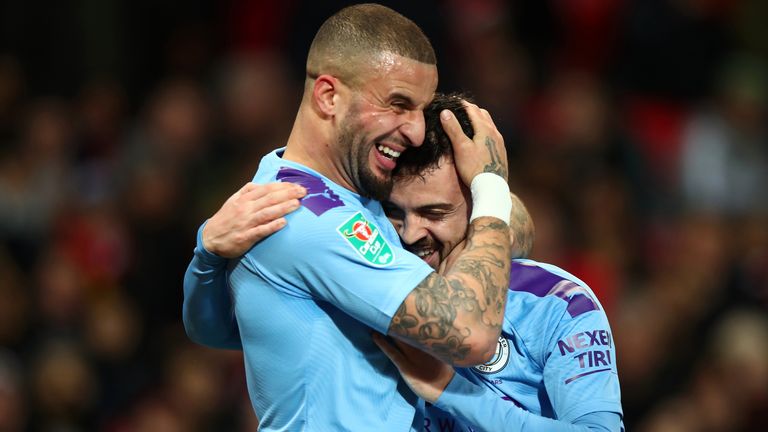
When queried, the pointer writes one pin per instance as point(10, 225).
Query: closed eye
point(435, 215)
point(392, 211)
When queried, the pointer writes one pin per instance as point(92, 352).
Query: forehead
point(439, 186)
point(389, 73)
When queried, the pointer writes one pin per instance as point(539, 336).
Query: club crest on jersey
point(499, 359)
point(366, 239)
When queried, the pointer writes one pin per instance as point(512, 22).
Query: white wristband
point(490, 197)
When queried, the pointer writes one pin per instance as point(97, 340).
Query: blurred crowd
point(637, 135)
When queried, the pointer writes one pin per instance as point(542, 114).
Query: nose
point(412, 229)
point(413, 127)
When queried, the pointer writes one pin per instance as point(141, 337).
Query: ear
point(325, 94)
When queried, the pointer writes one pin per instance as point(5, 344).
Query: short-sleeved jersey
point(306, 299)
point(555, 357)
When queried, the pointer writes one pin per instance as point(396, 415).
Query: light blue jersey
point(555, 359)
point(306, 299)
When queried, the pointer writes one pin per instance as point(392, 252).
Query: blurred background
point(636, 133)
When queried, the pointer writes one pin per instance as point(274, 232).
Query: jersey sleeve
point(207, 310)
point(484, 410)
point(580, 372)
point(341, 257)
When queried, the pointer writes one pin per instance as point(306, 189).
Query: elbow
point(193, 327)
point(482, 346)
point(210, 333)
point(191, 330)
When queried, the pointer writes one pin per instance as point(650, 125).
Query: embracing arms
point(252, 213)
point(457, 315)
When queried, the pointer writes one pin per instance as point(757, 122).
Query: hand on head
point(482, 153)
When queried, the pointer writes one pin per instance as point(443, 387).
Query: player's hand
point(484, 152)
point(424, 374)
point(252, 213)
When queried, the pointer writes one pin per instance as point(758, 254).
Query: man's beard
point(355, 148)
point(426, 244)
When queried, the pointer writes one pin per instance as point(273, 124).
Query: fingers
point(263, 203)
point(480, 118)
point(253, 191)
point(265, 214)
point(261, 231)
point(268, 204)
point(277, 196)
point(453, 129)
point(483, 152)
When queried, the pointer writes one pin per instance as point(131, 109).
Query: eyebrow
point(423, 208)
point(436, 207)
point(407, 99)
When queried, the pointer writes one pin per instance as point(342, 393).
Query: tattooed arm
point(521, 229)
point(457, 316)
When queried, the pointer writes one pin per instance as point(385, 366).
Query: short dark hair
point(427, 157)
point(351, 36)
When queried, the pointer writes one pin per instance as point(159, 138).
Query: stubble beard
point(355, 148)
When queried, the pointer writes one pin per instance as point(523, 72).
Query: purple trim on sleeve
point(541, 283)
point(575, 377)
point(320, 198)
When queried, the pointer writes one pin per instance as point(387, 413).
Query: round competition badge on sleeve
point(499, 359)
point(366, 239)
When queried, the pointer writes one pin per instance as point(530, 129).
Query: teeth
point(388, 151)
point(423, 253)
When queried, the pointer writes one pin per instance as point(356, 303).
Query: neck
point(452, 257)
point(312, 145)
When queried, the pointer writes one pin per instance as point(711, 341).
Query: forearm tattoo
point(497, 165)
point(442, 310)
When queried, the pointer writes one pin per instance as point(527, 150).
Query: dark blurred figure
point(158, 169)
point(13, 402)
point(64, 388)
point(35, 179)
point(724, 162)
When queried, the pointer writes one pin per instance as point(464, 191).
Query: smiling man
point(306, 298)
point(555, 366)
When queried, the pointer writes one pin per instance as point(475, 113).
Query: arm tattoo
point(522, 229)
point(497, 165)
point(437, 312)
point(431, 321)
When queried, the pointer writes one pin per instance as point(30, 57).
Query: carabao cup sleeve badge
point(366, 239)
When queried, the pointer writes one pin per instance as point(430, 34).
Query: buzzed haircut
point(418, 161)
point(355, 34)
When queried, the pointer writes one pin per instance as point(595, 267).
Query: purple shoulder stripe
point(539, 282)
point(320, 198)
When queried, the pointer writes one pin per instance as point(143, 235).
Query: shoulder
point(321, 196)
point(546, 303)
point(547, 284)
point(325, 231)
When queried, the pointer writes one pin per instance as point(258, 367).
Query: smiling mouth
point(388, 152)
point(423, 253)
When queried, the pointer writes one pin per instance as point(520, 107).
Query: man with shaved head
point(554, 367)
point(307, 297)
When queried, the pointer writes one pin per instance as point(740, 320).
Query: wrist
point(204, 250)
point(490, 197)
point(204, 239)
